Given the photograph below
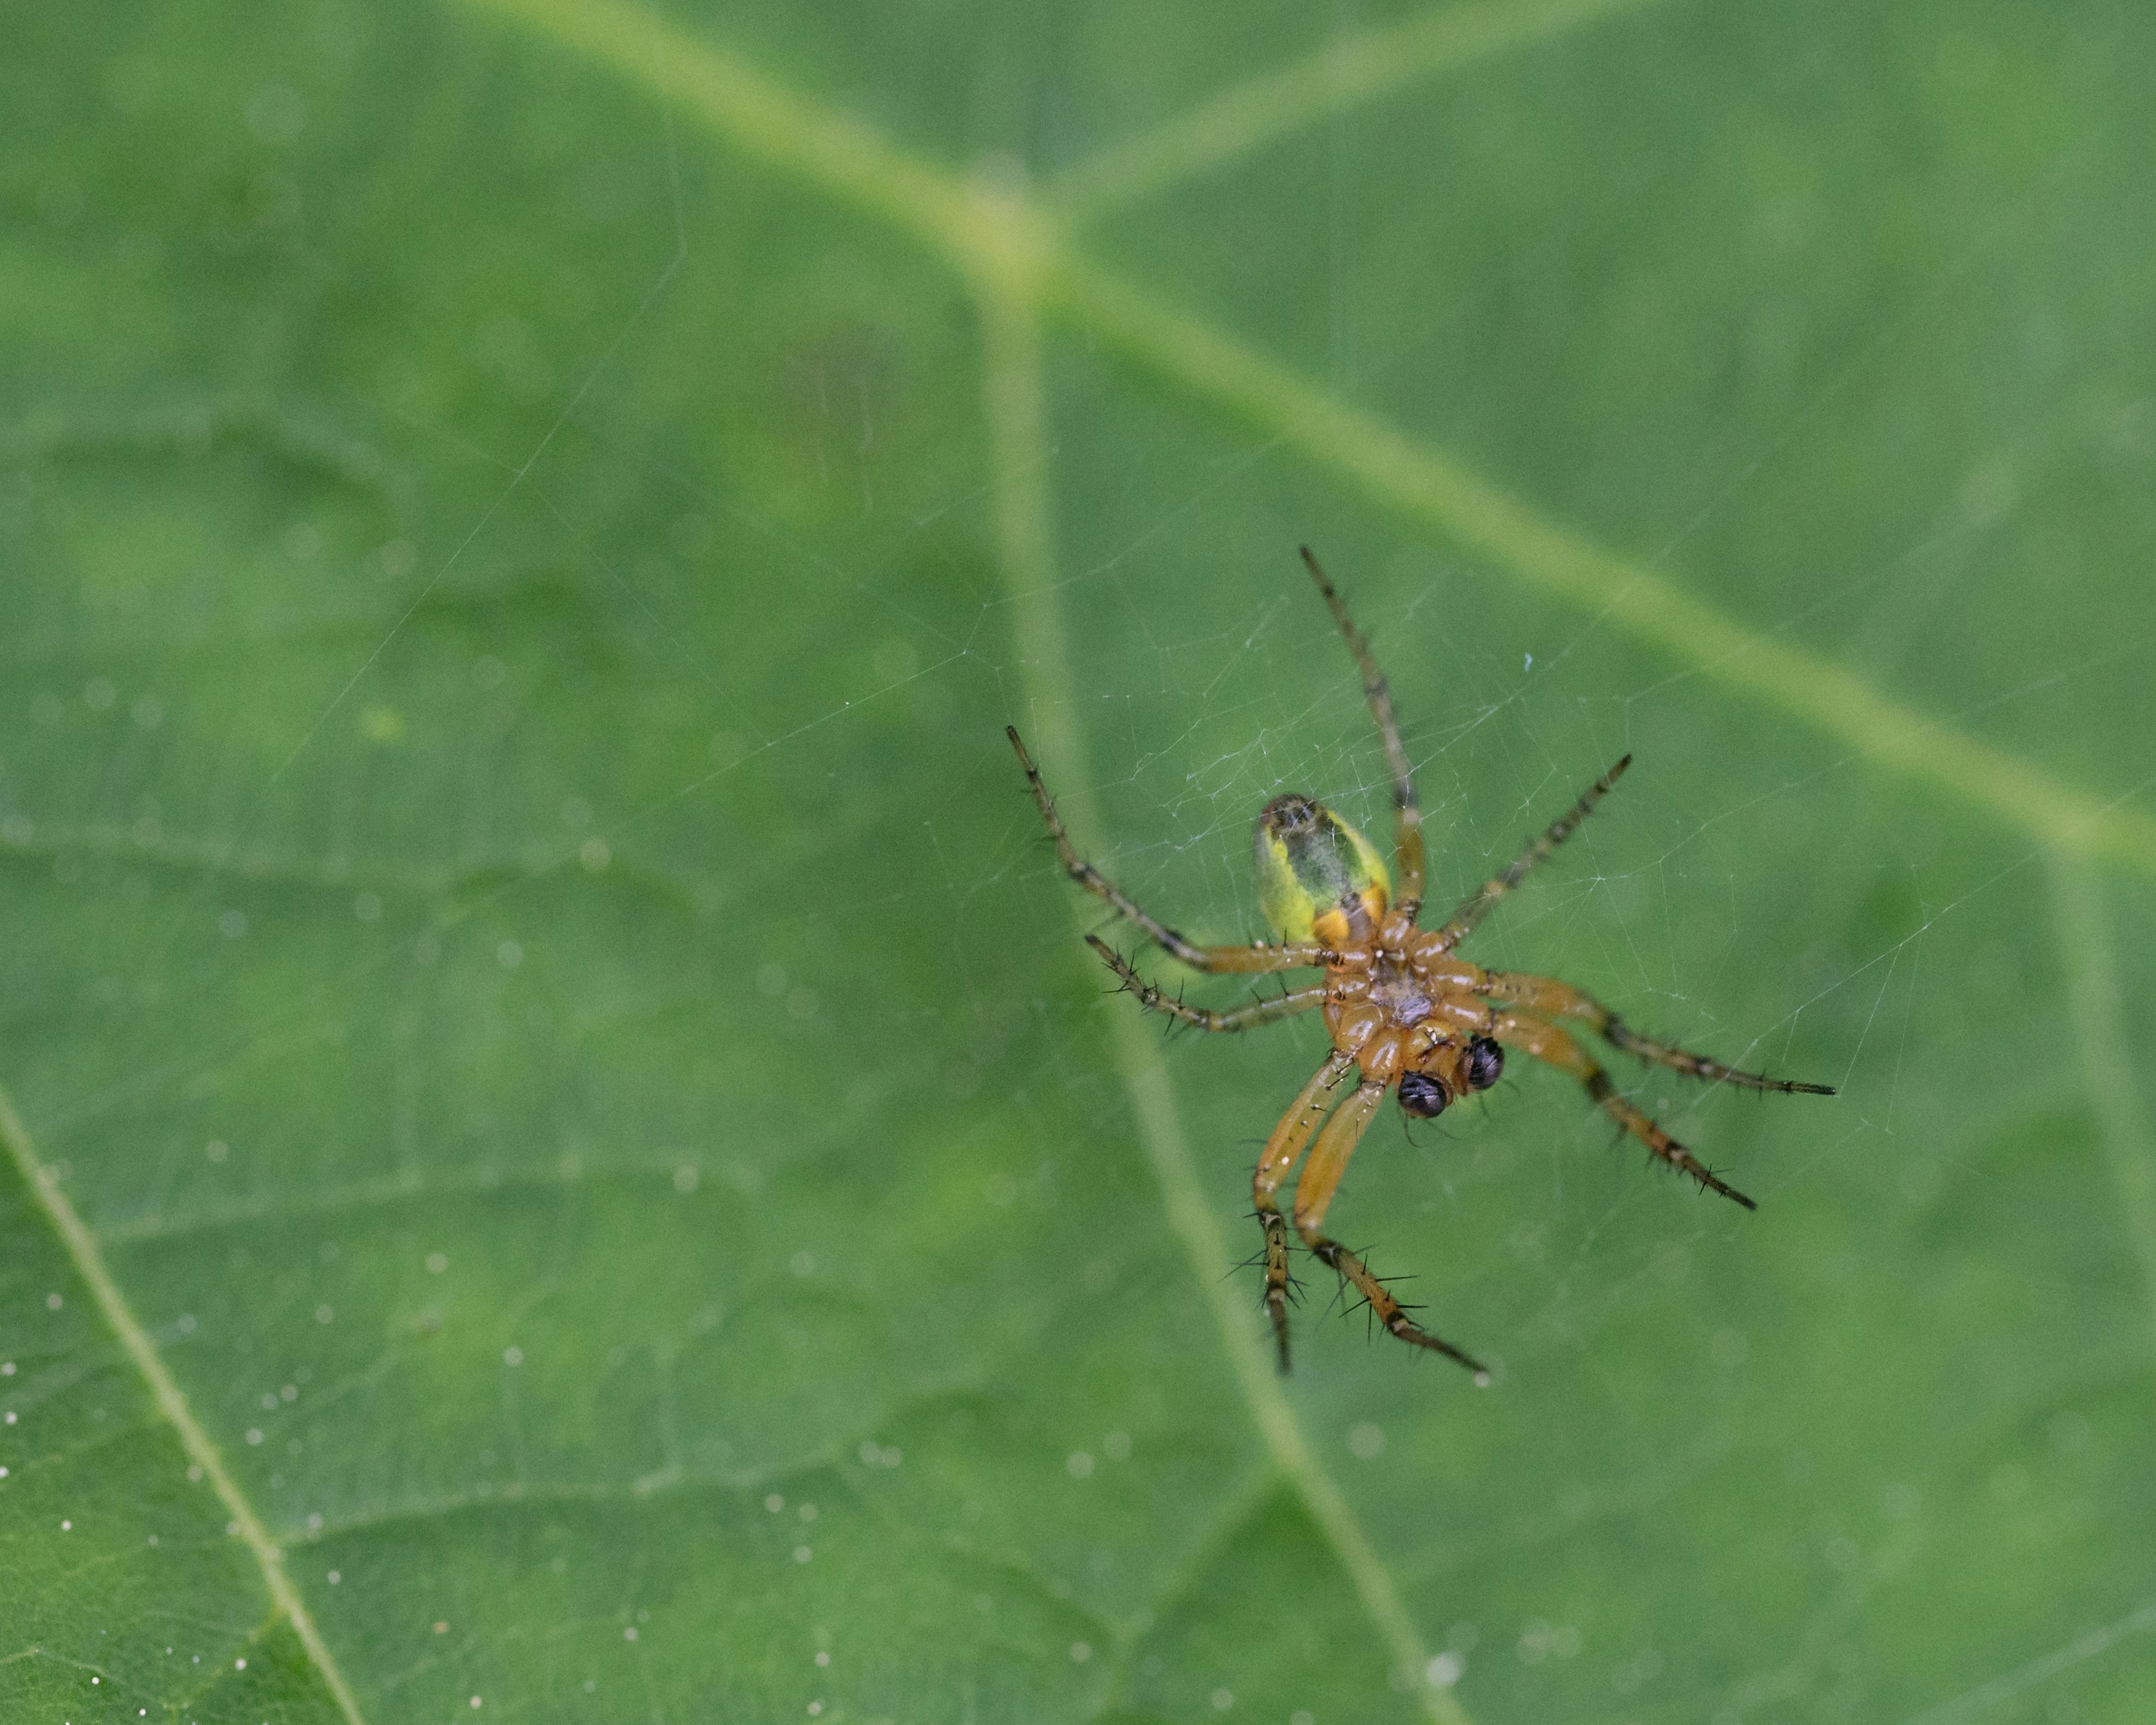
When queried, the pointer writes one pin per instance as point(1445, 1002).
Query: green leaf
point(565, 1156)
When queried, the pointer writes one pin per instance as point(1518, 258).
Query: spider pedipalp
point(1423, 1096)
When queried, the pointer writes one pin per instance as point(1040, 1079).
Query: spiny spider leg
point(1407, 811)
point(1548, 998)
point(1244, 960)
point(1276, 1162)
point(1477, 905)
point(1313, 1194)
point(1243, 1018)
point(1546, 1042)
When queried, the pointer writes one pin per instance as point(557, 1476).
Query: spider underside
point(1406, 1011)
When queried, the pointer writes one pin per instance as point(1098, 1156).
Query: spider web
point(542, 1006)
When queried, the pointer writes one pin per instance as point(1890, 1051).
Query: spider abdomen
point(1318, 879)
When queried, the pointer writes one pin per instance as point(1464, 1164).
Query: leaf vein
point(82, 1249)
point(1346, 73)
point(1017, 414)
point(1005, 244)
point(2089, 947)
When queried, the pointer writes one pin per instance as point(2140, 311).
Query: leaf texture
point(566, 1158)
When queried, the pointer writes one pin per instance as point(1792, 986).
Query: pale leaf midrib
point(81, 1248)
point(1012, 245)
point(2087, 945)
point(1013, 390)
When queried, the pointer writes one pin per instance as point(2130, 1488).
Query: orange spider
point(1403, 1009)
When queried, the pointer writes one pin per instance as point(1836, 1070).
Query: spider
point(1406, 1012)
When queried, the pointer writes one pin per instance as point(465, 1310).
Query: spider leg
point(1407, 811)
point(1313, 1195)
point(1243, 1018)
point(1546, 1043)
point(1283, 1149)
point(1246, 960)
point(1477, 905)
point(1550, 998)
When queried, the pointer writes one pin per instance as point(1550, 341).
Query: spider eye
point(1312, 867)
point(1486, 1063)
point(1422, 1095)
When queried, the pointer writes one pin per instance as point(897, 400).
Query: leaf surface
point(565, 1156)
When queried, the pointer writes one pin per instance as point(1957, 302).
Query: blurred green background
point(537, 1025)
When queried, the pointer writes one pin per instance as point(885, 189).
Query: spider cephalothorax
point(1404, 1011)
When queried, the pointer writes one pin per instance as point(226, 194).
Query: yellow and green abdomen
point(1318, 879)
